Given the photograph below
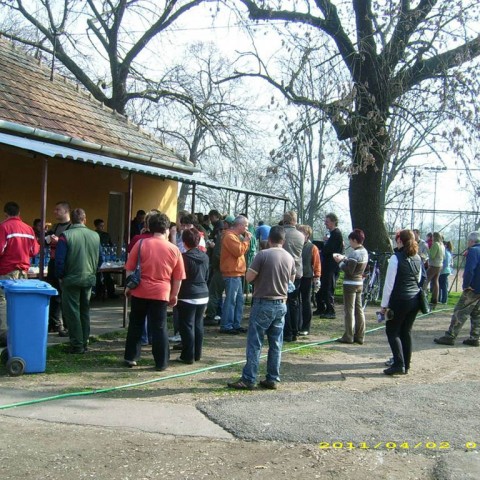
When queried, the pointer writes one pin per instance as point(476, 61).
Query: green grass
point(453, 298)
point(117, 335)
point(308, 351)
point(60, 361)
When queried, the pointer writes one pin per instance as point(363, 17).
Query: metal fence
point(453, 225)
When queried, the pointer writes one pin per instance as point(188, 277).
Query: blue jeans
point(233, 305)
point(443, 288)
point(147, 333)
point(266, 317)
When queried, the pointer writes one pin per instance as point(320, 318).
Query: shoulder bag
point(133, 280)
point(422, 294)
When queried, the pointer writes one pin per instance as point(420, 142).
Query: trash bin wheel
point(15, 366)
point(4, 356)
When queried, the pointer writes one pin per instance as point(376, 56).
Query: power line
point(442, 169)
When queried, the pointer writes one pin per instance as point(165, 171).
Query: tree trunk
point(182, 198)
point(366, 209)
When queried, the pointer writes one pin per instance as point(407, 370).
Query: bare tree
point(388, 49)
point(249, 172)
point(57, 28)
point(308, 164)
point(216, 125)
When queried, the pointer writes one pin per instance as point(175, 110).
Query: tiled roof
point(28, 97)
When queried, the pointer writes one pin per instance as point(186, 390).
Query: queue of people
point(202, 268)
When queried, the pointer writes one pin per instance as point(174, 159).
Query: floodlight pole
point(412, 216)
point(435, 170)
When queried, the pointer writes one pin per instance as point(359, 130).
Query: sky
point(221, 28)
point(452, 188)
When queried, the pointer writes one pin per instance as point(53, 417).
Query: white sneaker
point(175, 338)
point(217, 318)
point(303, 333)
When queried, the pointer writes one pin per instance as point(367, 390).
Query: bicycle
point(371, 282)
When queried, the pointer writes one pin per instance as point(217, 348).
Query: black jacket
point(333, 245)
point(406, 280)
point(196, 270)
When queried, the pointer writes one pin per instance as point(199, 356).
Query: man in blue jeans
point(235, 244)
point(270, 271)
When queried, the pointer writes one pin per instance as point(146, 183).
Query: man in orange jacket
point(235, 244)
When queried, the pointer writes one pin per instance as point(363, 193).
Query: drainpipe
point(43, 217)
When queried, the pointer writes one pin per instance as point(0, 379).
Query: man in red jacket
point(17, 245)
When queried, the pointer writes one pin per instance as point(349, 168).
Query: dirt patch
point(39, 450)
point(443, 376)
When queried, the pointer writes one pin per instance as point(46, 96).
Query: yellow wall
point(151, 192)
point(83, 185)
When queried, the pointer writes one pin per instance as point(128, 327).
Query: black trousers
point(399, 331)
point(191, 330)
point(293, 316)
point(104, 284)
point(156, 313)
point(306, 303)
point(55, 320)
point(325, 296)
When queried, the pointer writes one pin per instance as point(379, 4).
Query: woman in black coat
point(400, 300)
point(192, 297)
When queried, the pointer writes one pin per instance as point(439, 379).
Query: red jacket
point(17, 245)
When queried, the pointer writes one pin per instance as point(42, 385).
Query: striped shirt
point(17, 245)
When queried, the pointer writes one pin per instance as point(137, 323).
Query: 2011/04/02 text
point(394, 445)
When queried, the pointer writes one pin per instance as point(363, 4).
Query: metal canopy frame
point(53, 150)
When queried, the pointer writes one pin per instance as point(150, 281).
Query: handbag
point(133, 280)
point(423, 300)
point(422, 294)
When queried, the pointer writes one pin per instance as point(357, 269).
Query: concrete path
point(105, 316)
point(164, 418)
point(136, 414)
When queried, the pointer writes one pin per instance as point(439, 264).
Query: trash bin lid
point(28, 286)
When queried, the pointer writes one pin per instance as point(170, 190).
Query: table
point(117, 267)
point(34, 272)
point(106, 267)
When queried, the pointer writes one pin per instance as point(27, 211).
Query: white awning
point(60, 151)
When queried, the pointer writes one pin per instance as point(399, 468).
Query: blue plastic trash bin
point(27, 321)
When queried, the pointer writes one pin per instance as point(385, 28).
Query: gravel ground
point(426, 416)
point(334, 394)
point(38, 450)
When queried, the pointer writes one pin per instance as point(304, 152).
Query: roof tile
point(28, 97)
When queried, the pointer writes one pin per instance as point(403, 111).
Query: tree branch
point(434, 67)
point(165, 20)
point(408, 22)
point(331, 25)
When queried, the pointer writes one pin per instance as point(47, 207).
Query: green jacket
point(77, 256)
point(436, 255)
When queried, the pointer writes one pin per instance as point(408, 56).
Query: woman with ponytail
point(400, 300)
